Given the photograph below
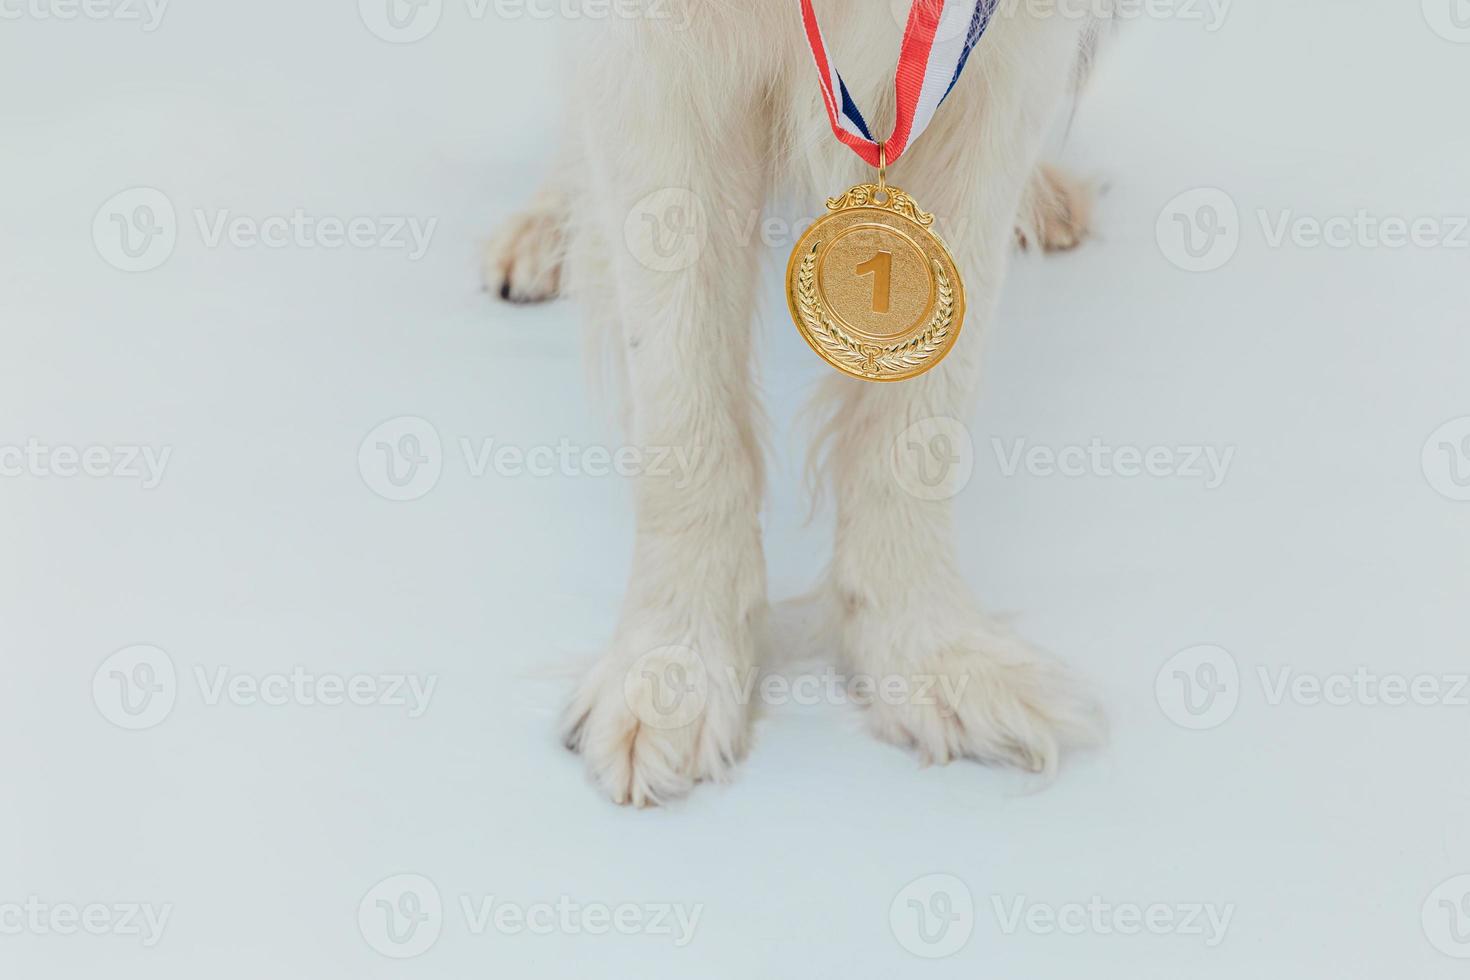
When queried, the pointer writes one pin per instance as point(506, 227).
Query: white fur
point(721, 100)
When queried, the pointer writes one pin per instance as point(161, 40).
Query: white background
point(1327, 548)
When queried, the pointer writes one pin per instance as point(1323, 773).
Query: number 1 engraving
point(880, 266)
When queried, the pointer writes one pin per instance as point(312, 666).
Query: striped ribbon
point(936, 44)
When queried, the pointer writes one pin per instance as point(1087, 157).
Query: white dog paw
point(1058, 211)
point(983, 694)
point(523, 261)
point(652, 726)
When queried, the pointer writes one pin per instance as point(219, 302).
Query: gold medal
point(873, 289)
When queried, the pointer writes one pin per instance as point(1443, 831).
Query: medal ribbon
point(936, 44)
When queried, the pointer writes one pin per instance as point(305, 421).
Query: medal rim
point(888, 212)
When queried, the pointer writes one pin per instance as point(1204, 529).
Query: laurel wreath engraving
point(895, 200)
point(870, 359)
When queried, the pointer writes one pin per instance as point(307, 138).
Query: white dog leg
point(673, 161)
point(972, 689)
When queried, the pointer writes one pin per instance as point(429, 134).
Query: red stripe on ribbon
point(819, 53)
point(913, 60)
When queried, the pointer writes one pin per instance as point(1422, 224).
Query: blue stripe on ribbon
point(851, 111)
point(978, 23)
